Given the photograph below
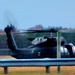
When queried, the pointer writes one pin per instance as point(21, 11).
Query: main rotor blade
point(38, 31)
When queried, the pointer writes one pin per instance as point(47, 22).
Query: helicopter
point(42, 47)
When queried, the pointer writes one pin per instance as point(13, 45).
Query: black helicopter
point(42, 47)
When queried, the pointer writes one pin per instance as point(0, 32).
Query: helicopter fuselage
point(45, 48)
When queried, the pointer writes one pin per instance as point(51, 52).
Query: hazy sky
point(29, 13)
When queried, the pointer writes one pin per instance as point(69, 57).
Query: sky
point(27, 13)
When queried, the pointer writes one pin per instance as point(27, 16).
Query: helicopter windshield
point(39, 40)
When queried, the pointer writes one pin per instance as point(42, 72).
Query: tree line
point(22, 40)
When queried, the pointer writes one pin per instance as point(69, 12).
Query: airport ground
point(65, 70)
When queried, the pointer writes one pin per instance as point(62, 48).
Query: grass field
point(65, 70)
